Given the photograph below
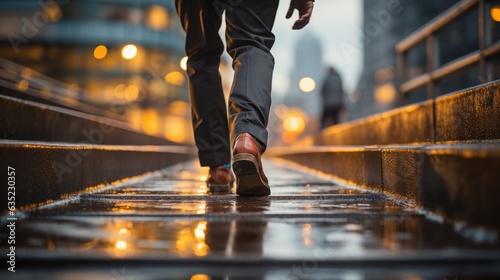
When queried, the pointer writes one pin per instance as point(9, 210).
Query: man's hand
point(305, 8)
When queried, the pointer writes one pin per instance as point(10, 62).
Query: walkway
point(166, 226)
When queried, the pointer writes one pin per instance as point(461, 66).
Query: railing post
point(401, 67)
point(430, 63)
point(483, 76)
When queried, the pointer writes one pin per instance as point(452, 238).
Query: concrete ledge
point(410, 124)
point(459, 181)
point(30, 121)
point(353, 165)
point(463, 182)
point(48, 171)
point(469, 115)
point(402, 171)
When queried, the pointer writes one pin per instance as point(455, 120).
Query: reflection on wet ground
point(308, 223)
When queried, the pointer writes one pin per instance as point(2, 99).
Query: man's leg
point(201, 20)
point(249, 40)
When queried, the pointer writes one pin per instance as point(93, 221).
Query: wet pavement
point(166, 226)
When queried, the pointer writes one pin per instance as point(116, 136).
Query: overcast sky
point(334, 22)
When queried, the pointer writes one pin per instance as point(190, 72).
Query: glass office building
point(119, 51)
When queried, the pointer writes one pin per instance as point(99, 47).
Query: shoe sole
point(220, 188)
point(248, 179)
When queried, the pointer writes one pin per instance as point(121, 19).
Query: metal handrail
point(46, 88)
point(427, 34)
point(436, 24)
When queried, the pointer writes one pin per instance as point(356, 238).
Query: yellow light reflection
point(389, 237)
point(124, 231)
point(307, 84)
point(385, 93)
point(200, 277)
point(100, 52)
point(202, 190)
point(120, 236)
point(306, 235)
point(129, 51)
point(158, 17)
point(121, 245)
point(495, 13)
point(191, 242)
point(202, 226)
point(199, 233)
point(201, 208)
point(23, 85)
point(201, 248)
point(175, 78)
point(184, 239)
point(183, 63)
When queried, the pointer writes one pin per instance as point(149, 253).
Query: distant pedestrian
point(332, 94)
point(249, 40)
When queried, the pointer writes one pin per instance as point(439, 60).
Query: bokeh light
point(175, 78)
point(183, 63)
point(200, 277)
point(177, 128)
point(150, 122)
point(121, 245)
point(23, 85)
point(100, 52)
point(131, 93)
point(495, 13)
point(53, 11)
point(385, 94)
point(158, 17)
point(307, 84)
point(294, 124)
point(129, 51)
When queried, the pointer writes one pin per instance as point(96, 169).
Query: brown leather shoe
point(220, 179)
point(250, 177)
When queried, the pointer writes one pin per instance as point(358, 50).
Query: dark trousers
point(249, 39)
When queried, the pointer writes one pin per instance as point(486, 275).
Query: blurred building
point(308, 63)
point(124, 53)
point(384, 25)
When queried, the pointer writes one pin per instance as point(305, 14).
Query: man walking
point(332, 93)
point(249, 40)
